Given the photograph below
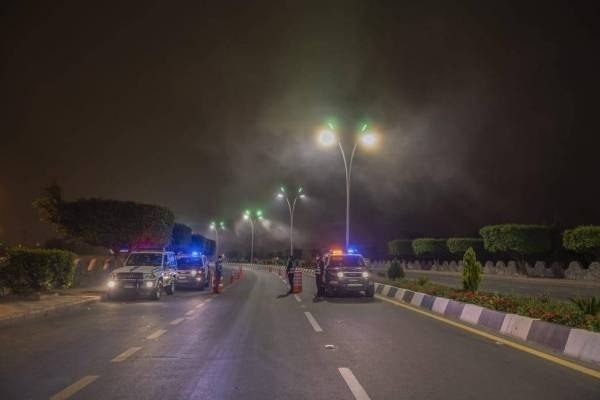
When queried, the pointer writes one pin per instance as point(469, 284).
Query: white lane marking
point(199, 305)
point(176, 321)
point(355, 387)
point(74, 388)
point(126, 354)
point(191, 312)
point(298, 299)
point(313, 322)
point(157, 334)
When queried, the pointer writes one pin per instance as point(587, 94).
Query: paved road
point(560, 289)
point(256, 342)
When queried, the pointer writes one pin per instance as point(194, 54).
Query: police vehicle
point(145, 273)
point(347, 273)
point(193, 271)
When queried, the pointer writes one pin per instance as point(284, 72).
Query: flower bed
point(541, 307)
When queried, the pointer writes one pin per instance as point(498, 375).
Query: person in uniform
point(290, 272)
point(319, 271)
point(218, 273)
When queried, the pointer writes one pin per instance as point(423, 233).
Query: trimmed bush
point(37, 269)
point(459, 246)
point(517, 240)
point(395, 270)
point(401, 248)
point(471, 272)
point(434, 248)
point(583, 240)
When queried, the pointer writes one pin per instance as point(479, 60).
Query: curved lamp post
point(367, 138)
point(291, 207)
point(217, 227)
point(249, 216)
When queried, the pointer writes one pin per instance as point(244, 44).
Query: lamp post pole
point(217, 227)
point(291, 208)
point(248, 216)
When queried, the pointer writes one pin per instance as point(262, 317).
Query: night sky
point(488, 112)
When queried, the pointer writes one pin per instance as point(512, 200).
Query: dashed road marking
point(298, 299)
point(199, 305)
point(355, 387)
point(176, 321)
point(126, 354)
point(74, 388)
point(157, 334)
point(313, 322)
point(191, 312)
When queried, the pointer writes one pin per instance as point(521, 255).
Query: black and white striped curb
point(577, 343)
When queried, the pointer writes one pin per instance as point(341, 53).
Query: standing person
point(218, 273)
point(319, 271)
point(290, 272)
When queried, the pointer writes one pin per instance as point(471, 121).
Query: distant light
point(280, 195)
point(194, 253)
point(302, 195)
point(337, 252)
point(351, 251)
point(246, 216)
point(282, 189)
point(247, 212)
point(300, 189)
point(368, 139)
point(326, 137)
point(364, 128)
point(112, 284)
point(259, 213)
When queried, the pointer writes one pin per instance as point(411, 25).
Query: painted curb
point(577, 343)
point(46, 312)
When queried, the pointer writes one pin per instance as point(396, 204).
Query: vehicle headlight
point(149, 284)
point(193, 272)
point(365, 274)
point(112, 284)
point(340, 274)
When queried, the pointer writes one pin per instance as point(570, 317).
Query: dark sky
point(488, 112)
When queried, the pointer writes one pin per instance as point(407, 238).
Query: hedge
point(583, 239)
point(401, 248)
point(459, 246)
point(435, 248)
point(37, 269)
point(517, 239)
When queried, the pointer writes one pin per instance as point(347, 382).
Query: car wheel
point(156, 293)
point(171, 288)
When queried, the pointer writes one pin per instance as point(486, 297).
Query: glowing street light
point(214, 226)
point(252, 218)
point(367, 138)
point(299, 194)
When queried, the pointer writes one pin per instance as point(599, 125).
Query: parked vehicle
point(347, 273)
point(145, 273)
point(193, 271)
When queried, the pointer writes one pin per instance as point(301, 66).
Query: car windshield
point(189, 262)
point(346, 261)
point(154, 259)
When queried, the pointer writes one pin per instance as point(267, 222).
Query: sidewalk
point(16, 310)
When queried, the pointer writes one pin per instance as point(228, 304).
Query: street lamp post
point(328, 137)
point(252, 218)
point(291, 207)
point(217, 227)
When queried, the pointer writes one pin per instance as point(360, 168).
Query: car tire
point(171, 288)
point(370, 292)
point(156, 293)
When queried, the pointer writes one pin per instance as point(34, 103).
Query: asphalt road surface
point(560, 289)
point(256, 342)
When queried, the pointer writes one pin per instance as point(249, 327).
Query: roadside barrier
point(297, 286)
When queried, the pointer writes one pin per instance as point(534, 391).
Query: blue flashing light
point(194, 254)
point(351, 251)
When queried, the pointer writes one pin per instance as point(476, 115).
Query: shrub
point(423, 280)
point(395, 270)
point(587, 305)
point(434, 248)
point(471, 272)
point(37, 269)
point(401, 248)
point(583, 239)
point(517, 240)
point(459, 246)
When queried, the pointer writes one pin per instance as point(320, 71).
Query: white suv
point(146, 273)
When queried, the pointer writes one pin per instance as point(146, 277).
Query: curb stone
point(46, 312)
